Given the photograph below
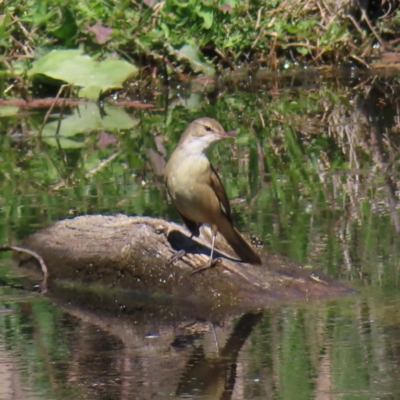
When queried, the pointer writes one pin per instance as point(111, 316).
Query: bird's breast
point(186, 172)
point(188, 181)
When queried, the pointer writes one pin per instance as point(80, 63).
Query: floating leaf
point(191, 53)
point(63, 143)
point(8, 111)
point(88, 118)
point(80, 70)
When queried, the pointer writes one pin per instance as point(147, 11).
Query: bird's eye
point(207, 128)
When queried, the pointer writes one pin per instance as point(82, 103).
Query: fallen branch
point(57, 103)
point(132, 253)
point(43, 285)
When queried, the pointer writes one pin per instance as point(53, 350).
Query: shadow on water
point(314, 174)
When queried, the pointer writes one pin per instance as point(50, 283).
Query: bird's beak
point(229, 135)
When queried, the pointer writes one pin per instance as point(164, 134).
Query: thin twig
point(283, 6)
point(358, 59)
point(62, 110)
point(22, 27)
point(51, 109)
point(365, 17)
point(102, 164)
point(24, 48)
point(351, 18)
point(60, 117)
point(224, 57)
point(295, 44)
point(258, 18)
point(35, 255)
point(24, 89)
point(387, 12)
point(260, 35)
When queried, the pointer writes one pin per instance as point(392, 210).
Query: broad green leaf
point(73, 67)
point(87, 118)
point(8, 111)
point(191, 54)
point(207, 15)
point(63, 143)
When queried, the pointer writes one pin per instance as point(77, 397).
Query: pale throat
point(198, 145)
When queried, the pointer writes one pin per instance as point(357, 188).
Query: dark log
point(128, 255)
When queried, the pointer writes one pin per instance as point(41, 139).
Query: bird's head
point(204, 132)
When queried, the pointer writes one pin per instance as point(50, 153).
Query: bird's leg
point(210, 263)
point(178, 255)
point(210, 260)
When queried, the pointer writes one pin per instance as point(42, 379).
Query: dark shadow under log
point(128, 255)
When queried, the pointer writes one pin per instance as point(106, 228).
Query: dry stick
point(351, 18)
point(358, 59)
point(64, 157)
point(46, 103)
point(51, 109)
point(298, 44)
point(102, 164)
point(225, 58)
point(260, 35)
point(365, 17)
point(41, 130)
point(308, 46)
point(321, 9)
point(22, 27)
point(283, 6)
point(24, 48)
point(63, 109)
point(387, 12)
point(34, 255)
point(258, 18)
point(24, 89)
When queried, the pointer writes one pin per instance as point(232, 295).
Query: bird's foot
point(176, 257)
point(210, 264)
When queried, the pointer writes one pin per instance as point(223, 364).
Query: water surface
point(314, 174)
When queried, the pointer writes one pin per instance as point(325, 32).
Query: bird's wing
point(219, 190)
point(193, 227)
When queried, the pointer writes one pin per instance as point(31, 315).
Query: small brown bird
point(196, 190)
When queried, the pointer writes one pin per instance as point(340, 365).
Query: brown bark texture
point(129, 256)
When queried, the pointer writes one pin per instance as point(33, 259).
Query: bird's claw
point(210, 264)
point(176, 257)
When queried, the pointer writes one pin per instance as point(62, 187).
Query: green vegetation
point(314, 173)
point(303, 170)
point(193, 36)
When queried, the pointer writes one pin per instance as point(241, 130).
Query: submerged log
point(130, 254)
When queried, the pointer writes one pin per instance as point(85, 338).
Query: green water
point(314, 173)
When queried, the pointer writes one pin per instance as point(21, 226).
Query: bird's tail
point(244, 251)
